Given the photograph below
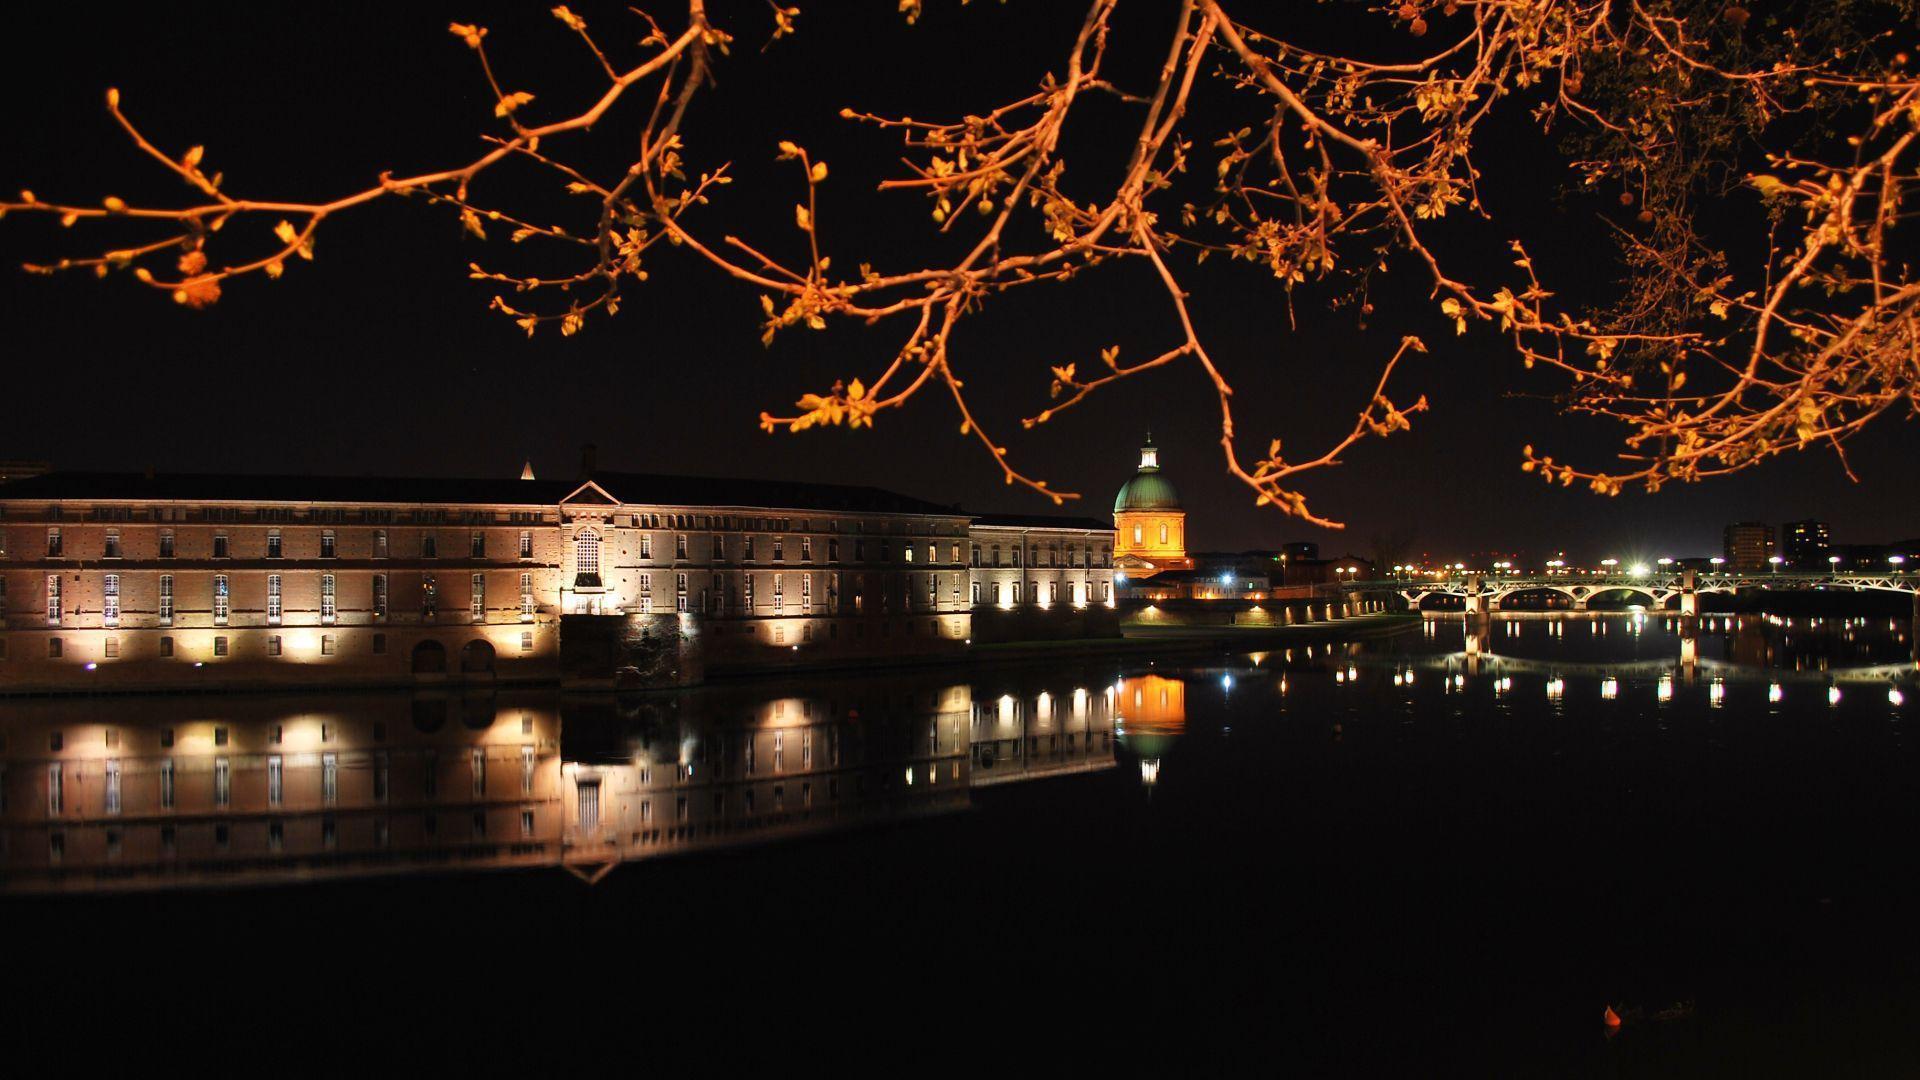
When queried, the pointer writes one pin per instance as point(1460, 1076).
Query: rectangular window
point(273, 599)
point(110, 547)
point(646, 593)
point(429, 596)
point(222, 599)
point(477, 599)
point(273, 649)
point(680, 547)
point(327, 599)
point(166, 784)
point(220, 646)
point(806, 593)
point(380, 771)
point(806, 549)
point(526, 641)
point(328, 545)
point(646, 547)
point(113, 648)
point(56, 788)
point(112, 803)
point(222, 781)
point(273, 543)
point(379, 596)
point(779, 593)
point(110, 600)
point(276, 780)
point(165, 610)
point(680, 592)
point(429, 546)
point(589, 801)
point(54, 546)
point(526, 770)
point(477, 546)
point(379, 543)
point(53, 599)
point(526, 544)
point(220, 546)
point(479, 765)
point(166, 647)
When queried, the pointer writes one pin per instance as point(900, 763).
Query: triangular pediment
point(589, 494)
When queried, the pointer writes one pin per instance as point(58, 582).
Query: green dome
point(1148, 490)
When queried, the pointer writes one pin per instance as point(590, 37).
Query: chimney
point(589, 461)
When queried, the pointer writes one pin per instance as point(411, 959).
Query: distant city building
point(1150, 528)
point(1748, 545)
point(21, 470)
point(1805, 544)
point(1302, 550)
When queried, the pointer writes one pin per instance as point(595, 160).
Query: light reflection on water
point(149, 792)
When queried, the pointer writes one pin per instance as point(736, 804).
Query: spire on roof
point(526, 471)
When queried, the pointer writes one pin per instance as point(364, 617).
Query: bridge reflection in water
point(193, 791)
point(1832, 650)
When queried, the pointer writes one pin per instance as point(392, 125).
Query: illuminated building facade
point(1150, 528)
point(128, 581)
point(1041, 561)
point(1806, 544)
point(189, 790)
point(1748, 545)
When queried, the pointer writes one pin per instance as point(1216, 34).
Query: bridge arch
point(1621, 597)
point(1533, 598)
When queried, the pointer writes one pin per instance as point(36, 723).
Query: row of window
point(276, 780)
point(276, 646)
point(1078, 592)
point(222, 596)
point(221, 546)
point(1045, 556)
point(587, 543)
point(336, 514)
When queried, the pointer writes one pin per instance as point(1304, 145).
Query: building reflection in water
point(188, 791)
point(1152, 715)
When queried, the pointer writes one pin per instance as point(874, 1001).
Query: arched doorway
point(429, 658)
point(476, 657)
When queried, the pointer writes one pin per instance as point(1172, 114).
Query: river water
point(1451, 848)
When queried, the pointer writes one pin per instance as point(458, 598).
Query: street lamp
point(1609, 564)
point(1899, 562)
point(1773, 562)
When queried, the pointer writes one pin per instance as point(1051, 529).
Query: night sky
point(381, 358)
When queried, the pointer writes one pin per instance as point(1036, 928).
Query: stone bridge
point(1483, 593)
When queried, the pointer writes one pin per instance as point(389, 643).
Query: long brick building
point(120, 581)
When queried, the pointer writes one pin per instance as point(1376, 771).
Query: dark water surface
point(1441, 853)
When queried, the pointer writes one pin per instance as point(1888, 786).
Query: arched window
point(1136, 534)
point(586, 554)
point(1163, 532)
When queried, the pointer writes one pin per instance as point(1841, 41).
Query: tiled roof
point(635, 488)
point(668, 490)
point(1042, 521)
